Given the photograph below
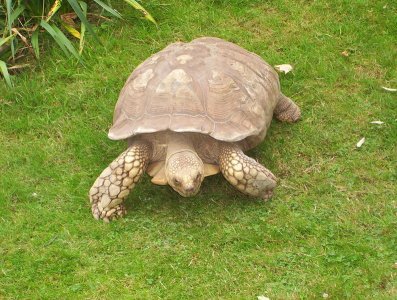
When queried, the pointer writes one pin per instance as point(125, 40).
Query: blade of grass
point(35, 43)
point(77, 9)
point(4, 71)
point(108, 8)
point(9, 24)
point(54, 8)
point(139, 7)
point(82, 29)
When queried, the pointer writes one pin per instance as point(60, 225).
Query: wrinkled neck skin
point(184, 169)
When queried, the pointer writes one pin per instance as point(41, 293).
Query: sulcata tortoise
point(190, 111)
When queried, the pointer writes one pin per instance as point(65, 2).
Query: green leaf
point(52, 32)
point(108, 8)
point(60, 38)
point(9, 23)
point(77, 9)
point(15, 14)
point(5, 40)
point(4, 71)
point(82, 29)
point(35, 43)
point(139, 7)
point(68, 44)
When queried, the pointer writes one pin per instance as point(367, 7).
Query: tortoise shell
point(207, 86)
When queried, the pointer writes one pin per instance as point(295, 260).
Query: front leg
point(244, 173)
point(117, 180)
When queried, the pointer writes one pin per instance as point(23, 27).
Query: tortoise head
point(184, 171)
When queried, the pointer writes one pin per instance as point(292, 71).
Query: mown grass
point(331, 228)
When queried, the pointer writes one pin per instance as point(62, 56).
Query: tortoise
point(190, 111)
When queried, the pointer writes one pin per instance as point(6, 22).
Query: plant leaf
point(285, 68)
point(16, 67)
point(77, 9)
point(15, 14)
point(54, 8)
point(35, 43)
point(9, 24)
point(108, 8)
point(24, 40)
point(4, 71)
point(345, 53)
point(5, 40)
point(82, 29)
point(389, 89)
point(52, 32)
point(71, 30)
point(360, 142)
point(139, 7)
point(66, 41)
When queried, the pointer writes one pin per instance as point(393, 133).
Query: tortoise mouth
point(187, 192)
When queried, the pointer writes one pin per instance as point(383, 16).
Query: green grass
point(331, 227)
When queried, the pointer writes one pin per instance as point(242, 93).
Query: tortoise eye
point(177, 182)
point(197, 177)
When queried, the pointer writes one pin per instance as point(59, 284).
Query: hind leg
point(286, 110)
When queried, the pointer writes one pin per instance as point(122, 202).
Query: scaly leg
point(286, 110)
point(244, 173)
point(117, 180)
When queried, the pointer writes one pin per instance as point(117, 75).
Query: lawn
point(329, 231)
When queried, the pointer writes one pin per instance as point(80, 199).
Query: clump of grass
point(22, 22)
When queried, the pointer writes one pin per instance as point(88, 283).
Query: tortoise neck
point(179, 142)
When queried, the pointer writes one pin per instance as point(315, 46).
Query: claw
point(267, 195)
